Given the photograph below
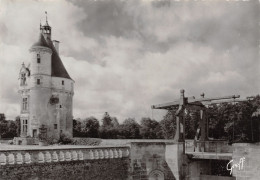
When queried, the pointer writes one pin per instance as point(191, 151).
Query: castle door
point(34, 133)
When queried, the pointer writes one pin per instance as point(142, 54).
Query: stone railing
point(60, 154)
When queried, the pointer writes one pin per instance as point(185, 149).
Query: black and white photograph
point(129, 90)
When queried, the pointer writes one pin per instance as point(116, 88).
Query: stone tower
point(46, 90)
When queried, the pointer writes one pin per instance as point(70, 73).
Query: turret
point(46, 29)
point(24, 83)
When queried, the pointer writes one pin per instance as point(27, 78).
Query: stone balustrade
point(9, 157)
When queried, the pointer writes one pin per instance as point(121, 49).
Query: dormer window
point(38, 59)
point(62, 82)
point(23, 79)
point(38, 81)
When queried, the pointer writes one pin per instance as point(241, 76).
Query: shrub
point(65, 138)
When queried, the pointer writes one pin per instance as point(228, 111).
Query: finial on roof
point(46, 17)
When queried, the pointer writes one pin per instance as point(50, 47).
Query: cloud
point(127, 55)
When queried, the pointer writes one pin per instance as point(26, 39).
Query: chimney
point(56, 45)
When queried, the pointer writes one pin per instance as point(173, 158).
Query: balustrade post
point(48, 156)
point(19, 158)
point(96, 154)
point(11, 159)
point(68, 156)
point(61, 156)
point(74, 155)
point(91, 154)
point(111, 154)
point(101, 154)
point(106, 154)
point(41, 158)
point(27, 158)
point(3, 159)
point(81, 155)
point(55, 157)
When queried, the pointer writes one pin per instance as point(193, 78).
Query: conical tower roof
point(57, 67)
point(41, 41)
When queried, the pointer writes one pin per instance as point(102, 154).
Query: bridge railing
point(62, 154)
point(215, 146)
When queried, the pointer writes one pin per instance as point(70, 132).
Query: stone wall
point(251, 164)
point(109, 169)
point(148, 161)
point(141, 161)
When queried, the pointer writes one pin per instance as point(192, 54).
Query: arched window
point(38, 59)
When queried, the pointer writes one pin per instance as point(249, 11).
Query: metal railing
point(216, 146)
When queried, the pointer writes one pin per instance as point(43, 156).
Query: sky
point(126, 55)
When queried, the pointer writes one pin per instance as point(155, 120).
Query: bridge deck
point(209, 155)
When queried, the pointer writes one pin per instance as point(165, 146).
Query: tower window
point(38, 58)
point(38, 81)
point(55, 126)
point(60, 106)
point(25, 123)
point(62, 82)
point(25, 104)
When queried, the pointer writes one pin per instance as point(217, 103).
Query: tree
point(3, 128)
point(241, 126)
point(114, 122)
point(109, 128)
point(192, 118)
point(168, 125)
point(90, 127)
point(18, 125)
point(107, 120)
point(8, 129)
point(2, 117)
point(234, 122)
point(130, 129)
point(12, 129)
point(150, 129)
point(77, 128)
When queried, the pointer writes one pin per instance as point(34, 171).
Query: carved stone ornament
point(54, 100)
